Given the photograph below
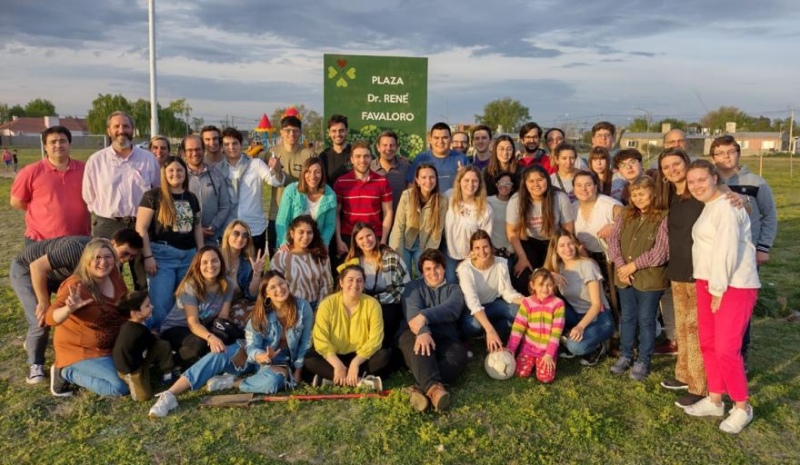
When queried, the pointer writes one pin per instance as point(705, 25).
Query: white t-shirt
point(586, 228)
point(562, 211)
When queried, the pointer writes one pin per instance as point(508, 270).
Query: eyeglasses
point(238, 234)
point(290, 130)
point(555, 139)
point(628, 164)
point(532, 138)
point(603, 135)
point(729, 154)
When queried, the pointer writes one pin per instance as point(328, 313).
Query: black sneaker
point(688, 399)
point(59, 387)
point(674, 385)
point(594, 358)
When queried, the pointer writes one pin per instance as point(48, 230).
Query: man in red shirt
point(362, 196)
point(49, 192)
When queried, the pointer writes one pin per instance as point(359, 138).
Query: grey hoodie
point(763, 214)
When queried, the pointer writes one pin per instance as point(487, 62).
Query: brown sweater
point(91, 331)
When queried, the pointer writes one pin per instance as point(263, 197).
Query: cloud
point(643, 54)
point(575, 64)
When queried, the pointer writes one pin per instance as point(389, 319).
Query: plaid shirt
point(394, 273)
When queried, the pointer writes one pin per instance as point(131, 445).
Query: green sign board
point(376, 93)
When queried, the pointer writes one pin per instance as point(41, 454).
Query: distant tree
point(639, 124)
point(674, 123)
point(40, 107)
point(313, 126)
point(4, 113)
point(17, 111)
point(140, 110)
point(197, 124)
point(506, 113)
point(760, 124)
point(715, 120)
point(103, 106)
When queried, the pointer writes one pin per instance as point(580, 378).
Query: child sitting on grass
point(538, 327)
point(136, 348)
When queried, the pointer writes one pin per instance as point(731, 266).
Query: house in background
point(650, 144)
point(30, 126)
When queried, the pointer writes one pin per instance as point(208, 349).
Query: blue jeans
point(212, 365)
point(598, 331)
point(411, 258)
point(638, 309)
point(450, 269)
point(98, 375)
point(36, 338)
point(501, 315)
point(266, 380)
point(172, 267)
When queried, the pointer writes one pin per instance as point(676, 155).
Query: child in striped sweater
point(537, 329)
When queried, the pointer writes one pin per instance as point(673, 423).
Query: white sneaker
point(737, 420)
point(373, 383)
point(705, 408)
point(220, 382)
point(166, 402)
point(35, 374)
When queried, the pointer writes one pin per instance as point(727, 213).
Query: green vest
point(637, 237)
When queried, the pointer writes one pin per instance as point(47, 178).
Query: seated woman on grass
point(347, 334)
point(491, 299)
point(304, 261)
point(87, 323)
point(589, 323)
point(244, 267)
point(385, 276)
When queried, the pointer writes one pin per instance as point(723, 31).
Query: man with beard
point(530, 135)
point(114, 181)
point(362, 196)
point(390, 166)
point(460, 143)
point(209, 186)
point(212, 141)
point(336, 158)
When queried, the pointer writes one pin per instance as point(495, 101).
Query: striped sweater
point(308, 279)
point(538, 327)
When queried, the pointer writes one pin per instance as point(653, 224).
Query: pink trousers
point(721, 336)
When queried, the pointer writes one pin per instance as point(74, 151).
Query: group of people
point(374, 262)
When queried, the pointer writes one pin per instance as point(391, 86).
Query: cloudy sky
point(569, 61)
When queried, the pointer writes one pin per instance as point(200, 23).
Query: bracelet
point(146, 257)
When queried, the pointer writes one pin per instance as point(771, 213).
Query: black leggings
point(315, 364)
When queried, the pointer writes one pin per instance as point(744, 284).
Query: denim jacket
point(243, 276)
point(298, 338)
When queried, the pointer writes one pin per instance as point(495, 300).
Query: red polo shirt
point(55, 205)
point(362, 200)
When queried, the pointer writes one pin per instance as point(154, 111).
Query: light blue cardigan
point(293, 204)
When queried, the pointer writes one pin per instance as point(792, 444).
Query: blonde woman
point(168, 219)
point(244, 267)
point(86, 323)
point(468, 212)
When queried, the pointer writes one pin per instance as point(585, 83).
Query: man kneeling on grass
point(430, 344)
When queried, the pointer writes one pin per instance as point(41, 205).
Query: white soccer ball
point(500, 365)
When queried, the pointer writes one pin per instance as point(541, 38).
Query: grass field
point(585, 416)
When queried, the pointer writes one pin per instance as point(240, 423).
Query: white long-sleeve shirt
point(246, 177)
point(723, 253)
point(483, 286)
point(460, 223)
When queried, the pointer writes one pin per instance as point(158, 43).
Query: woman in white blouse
point(468, 212)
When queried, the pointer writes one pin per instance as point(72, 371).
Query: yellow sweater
point(336, 332)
